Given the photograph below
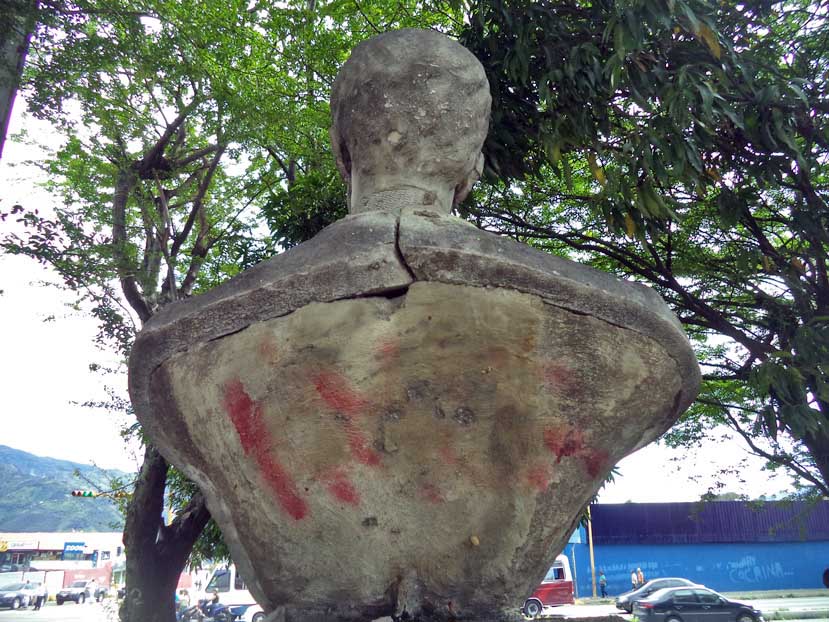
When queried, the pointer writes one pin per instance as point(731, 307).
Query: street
point(68, 612)
point(108, 610)
point(769, 606)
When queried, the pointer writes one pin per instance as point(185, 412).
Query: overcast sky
point(44, 375)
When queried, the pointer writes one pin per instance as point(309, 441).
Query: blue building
point(726, 545)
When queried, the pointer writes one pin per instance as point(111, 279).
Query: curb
point(798, 615)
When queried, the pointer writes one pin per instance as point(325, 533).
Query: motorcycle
point(207, 611)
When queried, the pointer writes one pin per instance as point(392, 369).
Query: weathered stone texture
point(407, 414)
point(410, 113)
point(352, 449)
point(387, 433)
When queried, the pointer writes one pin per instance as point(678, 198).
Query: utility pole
point(590, 546)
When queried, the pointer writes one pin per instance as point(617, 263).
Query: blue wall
point(722, 567)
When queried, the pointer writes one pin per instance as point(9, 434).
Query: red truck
point(556, 589)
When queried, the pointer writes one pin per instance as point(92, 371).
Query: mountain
point(35, 495)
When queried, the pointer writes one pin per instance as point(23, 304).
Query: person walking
point(602, 583)
point(633, 580)
point(640, 577)
point(40, 596)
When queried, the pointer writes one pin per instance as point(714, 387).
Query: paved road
point(107, 611)
point(68, 612)
point(767, 606)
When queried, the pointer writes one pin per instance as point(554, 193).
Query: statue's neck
point(401, 196)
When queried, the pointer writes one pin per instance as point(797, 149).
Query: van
point(556, 589)
point(230, 586)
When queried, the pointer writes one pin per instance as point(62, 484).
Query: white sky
point(44, 368)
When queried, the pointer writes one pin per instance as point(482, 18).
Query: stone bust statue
point(405, 415)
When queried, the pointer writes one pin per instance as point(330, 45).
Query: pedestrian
point(633, 580)
point(40, 596)
point(640, 577)
point(602, 583)
point(182, 603)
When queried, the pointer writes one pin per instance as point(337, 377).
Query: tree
point(16, 25)
point(191, 114)
point(147, 204)
point(683, 144)
point(678, 142)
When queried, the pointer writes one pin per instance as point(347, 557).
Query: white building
point(58, 558)
point(68, 550)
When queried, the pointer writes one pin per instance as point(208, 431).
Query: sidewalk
point(604, 610)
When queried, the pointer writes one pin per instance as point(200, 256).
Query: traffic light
point(83, 493)
point(120, 494)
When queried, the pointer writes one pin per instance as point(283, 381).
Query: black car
point(625, 601)
point(693, 604)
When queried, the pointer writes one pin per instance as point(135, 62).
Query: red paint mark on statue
point(448, 455)
point(569, 441)
point(563, 441)
point(246, 415)
point(359, 447)
point(431, 493)
point(387, 350)
point(336, 392)
point(338, 395)
point(268, 350)
point(539, 477)
point(561, 379)
point(340, 487)
point(595, 461)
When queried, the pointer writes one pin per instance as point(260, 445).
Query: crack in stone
point(399, 253)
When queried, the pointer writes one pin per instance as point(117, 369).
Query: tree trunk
point(16, 29)
point(150, 588)
point(156, 554)
point(818, 446)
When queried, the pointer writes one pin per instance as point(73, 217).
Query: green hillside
point(35, 495)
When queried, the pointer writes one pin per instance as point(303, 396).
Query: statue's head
point(410, 114)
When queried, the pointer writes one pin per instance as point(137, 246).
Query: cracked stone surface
point(406, 414)
point(444, 388)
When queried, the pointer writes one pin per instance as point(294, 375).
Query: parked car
point(16, 595)
point(80, 591)
point(693, 604)
point(625, 601)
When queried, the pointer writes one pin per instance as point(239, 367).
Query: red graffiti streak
point(448, 455)
point(561, 379)
point(387, 350)
point(359, 446)
point(431, 493)
point(569, 441)
point(566, 441)
point(539, 477)
point(336, 392)
point(256, 440)
point(340, 487)
point(268, 350)
point(595, 461)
